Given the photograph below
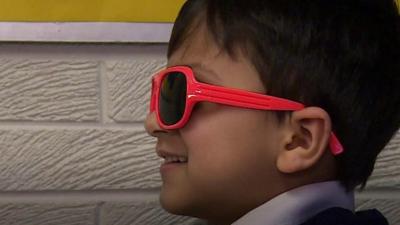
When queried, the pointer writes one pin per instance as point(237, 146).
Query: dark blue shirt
point(340, 216)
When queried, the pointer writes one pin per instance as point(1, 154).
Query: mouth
point(174, 160)
point(171, 157)
point(172, 163)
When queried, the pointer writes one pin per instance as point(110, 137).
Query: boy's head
point(339, 58)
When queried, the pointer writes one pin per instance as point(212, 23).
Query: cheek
point(229, 146)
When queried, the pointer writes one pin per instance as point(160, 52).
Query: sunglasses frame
point(200, 92)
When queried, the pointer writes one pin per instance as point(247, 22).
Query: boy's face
point(230, 151)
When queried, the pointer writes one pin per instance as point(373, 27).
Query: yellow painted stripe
point(92, 10)
point(89, 10)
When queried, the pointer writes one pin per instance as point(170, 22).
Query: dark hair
point(340, 55)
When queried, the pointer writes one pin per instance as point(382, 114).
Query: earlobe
point(306, 140)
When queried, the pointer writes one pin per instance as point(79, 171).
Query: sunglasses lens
point(172, 99)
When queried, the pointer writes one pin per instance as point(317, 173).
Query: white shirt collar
point(299, 204)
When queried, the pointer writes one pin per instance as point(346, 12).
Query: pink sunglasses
point(175, 91)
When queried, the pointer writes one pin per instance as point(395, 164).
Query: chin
point(179, 204)
point(174, 202)
point(190, 208)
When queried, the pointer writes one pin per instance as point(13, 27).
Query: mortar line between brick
point(104, 91)
point(78, 196)
point(97, 213)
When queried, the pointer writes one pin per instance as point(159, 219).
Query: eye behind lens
point(172, 99)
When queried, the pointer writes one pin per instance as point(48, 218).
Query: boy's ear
point(305, 141)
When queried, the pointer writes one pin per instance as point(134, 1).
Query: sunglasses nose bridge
point(153, 94)
point(152, 106)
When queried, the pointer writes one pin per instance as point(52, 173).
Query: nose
point(151, 125)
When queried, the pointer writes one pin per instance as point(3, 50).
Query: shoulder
point(340, 216)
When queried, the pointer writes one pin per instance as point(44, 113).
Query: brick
point(47, 90)
point(47, 214)
point(129, 85)
point(389, 208)
point(387, 168)
point(79, 159)
point(145, 213)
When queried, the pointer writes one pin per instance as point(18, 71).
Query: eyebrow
point(202, 69)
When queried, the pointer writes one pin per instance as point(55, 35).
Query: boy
point(272, 112)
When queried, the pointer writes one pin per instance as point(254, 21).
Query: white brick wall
point(73, 149)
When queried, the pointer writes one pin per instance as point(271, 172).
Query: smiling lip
point(171, 157)
point(172, 161)
point(170, 166)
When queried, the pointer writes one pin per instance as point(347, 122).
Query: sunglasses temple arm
point(335, 145)
point(239, 98)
